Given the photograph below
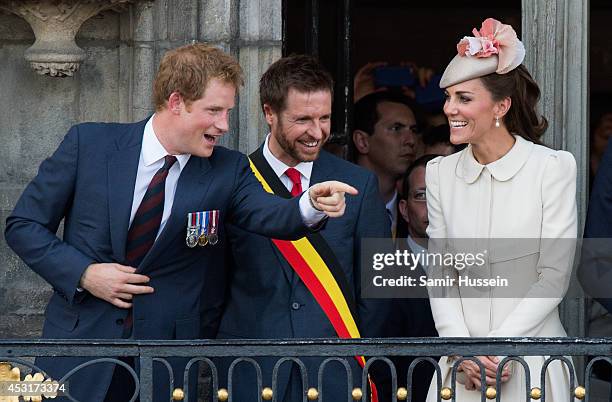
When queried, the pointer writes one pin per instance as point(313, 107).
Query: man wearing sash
point(287, 289)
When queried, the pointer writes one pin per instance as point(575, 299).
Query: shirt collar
point(502, 169)
point(391, 204)
point(305, 168)
point(414, 246)
point(153, 150)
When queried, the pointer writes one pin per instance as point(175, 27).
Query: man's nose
point(316, 130)
point(409, 138)
point(222, 122)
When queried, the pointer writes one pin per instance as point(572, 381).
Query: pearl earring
point(497, 122)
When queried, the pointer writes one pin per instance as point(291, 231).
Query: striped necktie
point(147, 220)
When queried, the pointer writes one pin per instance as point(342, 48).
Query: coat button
point(119, 321)
point(295, 305)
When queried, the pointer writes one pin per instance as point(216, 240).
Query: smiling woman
point(503, 185)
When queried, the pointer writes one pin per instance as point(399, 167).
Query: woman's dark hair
point(522, 118)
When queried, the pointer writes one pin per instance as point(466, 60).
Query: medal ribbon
point(205, 228)
point(213, 223)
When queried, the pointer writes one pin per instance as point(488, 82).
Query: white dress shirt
point(151, 160)
point(310, 215)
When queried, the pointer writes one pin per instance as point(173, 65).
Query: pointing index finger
point(343, 187)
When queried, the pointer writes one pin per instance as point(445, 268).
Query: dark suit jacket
point(89, 182)
point(268, 300)
point(409, 318)
point(595, 270)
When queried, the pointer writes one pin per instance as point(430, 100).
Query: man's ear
point(403, 209)
point(361, 139)
point(175, 102)
point(269, 114)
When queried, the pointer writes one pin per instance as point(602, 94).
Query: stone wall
point(35, 113)
point(113, 84)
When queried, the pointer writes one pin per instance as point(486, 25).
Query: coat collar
point(502, 169)
point(122, 167)
point(322, 168)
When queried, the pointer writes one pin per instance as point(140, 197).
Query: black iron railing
point(20, 352)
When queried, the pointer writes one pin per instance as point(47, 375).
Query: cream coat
point(529, 193)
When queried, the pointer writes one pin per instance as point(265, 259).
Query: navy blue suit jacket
point(89, 182)
point(267, 299)
point(596, 261)
point(410, 318)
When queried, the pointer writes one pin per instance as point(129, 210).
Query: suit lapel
point(259, 160)
point(122, 167)
point(321, 169)
point(190, 191)
point(402, 245)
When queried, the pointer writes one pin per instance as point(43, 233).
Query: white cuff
point(310, 216)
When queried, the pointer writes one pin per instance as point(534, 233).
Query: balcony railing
point(20, 352)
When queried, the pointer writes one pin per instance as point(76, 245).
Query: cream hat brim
point(465, 68)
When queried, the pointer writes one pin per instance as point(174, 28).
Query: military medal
point(203, 238)
point(213, 238)
point(192, 231)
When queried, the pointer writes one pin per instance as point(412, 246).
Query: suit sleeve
point(254, 210)
point(559, 226)
point(372, 222)
point(595, 273)
point(31, 228)
point(446, 309)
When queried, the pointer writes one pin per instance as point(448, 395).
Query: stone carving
point(55, 24)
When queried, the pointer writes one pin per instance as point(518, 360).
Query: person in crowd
point(144, 207)
point(599, 141)
point(273, 293)
point(412, 204)
point(405, 77)
point(595, 272)
point(384, 139)
point(596, 260)
point(411, 316)
point(436, 141)
point(505, 184)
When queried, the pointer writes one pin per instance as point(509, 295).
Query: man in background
point(411, 316)
point(384, 141)
point(595, 272)
point(436, 141)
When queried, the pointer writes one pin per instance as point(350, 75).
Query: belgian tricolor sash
point(316, 264)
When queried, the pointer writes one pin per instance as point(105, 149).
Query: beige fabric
point(529, 193)
point(463, 68)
